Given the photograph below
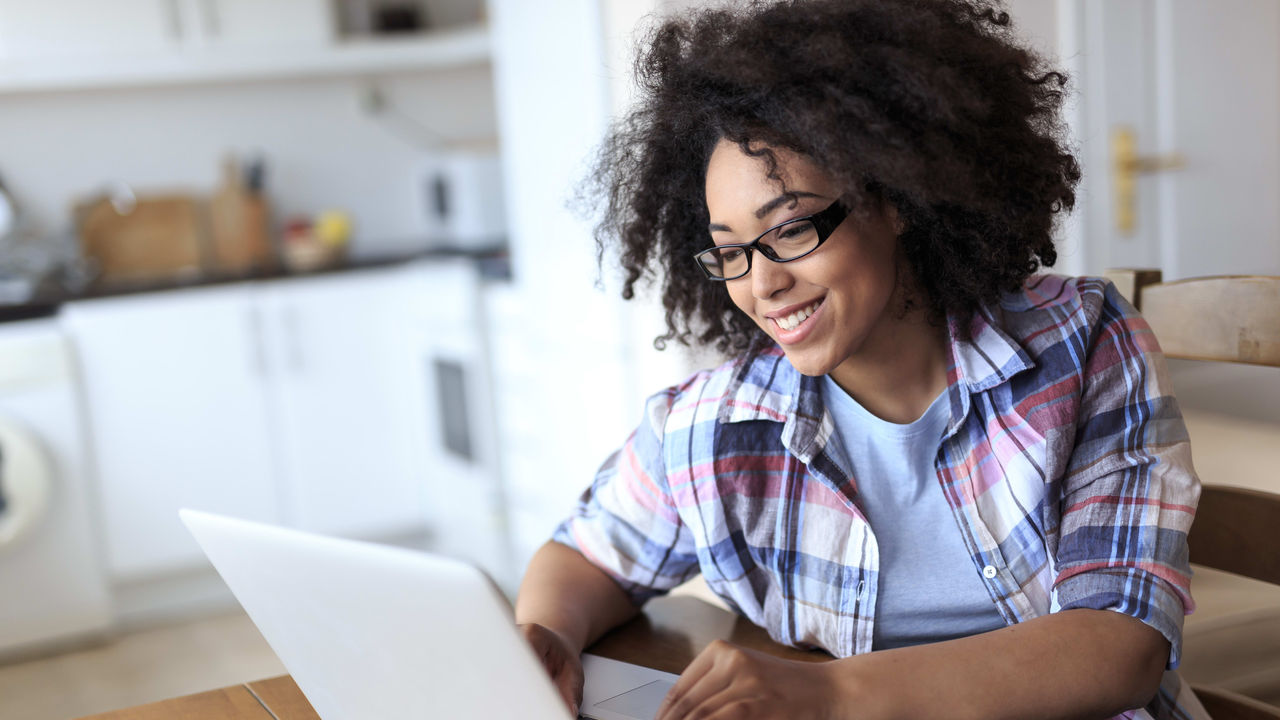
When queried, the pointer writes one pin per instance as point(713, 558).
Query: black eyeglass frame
point(824, 221)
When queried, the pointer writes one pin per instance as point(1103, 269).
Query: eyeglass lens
point(785, 242)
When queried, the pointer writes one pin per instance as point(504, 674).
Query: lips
point(789, 322)
point(793, 323)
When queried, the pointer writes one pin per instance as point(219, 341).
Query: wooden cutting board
point(161, 239)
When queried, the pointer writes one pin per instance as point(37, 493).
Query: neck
point(899, 372)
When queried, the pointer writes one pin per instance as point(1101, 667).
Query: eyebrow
point(766, 208)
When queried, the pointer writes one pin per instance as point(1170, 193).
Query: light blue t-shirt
point(929, 589)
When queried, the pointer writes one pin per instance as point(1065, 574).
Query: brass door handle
point(1126, 165)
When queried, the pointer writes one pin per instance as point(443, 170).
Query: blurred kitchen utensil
point(239, 219)
point(28, 255)
point(159, 238)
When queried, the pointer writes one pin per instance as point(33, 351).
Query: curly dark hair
point(929, 105)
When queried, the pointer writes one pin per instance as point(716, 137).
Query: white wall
point(561, 376)
point(322, 150)
point(1037, 22)
point(624, 24)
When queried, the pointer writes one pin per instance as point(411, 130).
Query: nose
point(768, 278)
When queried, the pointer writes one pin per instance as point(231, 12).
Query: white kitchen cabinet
point(174, 395)
point(68, 45)
point(302, 401)
point(68, 29)
point(245, 24)
point(341, 401)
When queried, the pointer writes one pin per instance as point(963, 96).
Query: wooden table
point(667, 636)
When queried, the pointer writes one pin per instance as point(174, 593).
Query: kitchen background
point(313, 262)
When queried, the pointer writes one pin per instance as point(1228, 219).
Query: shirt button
point(989, 572)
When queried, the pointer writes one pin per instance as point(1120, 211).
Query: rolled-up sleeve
point(626, 523)
point(1130, 492)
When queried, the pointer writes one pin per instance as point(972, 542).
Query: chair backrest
point(1238, 530)
point(1229, 319)
point(1226, 705)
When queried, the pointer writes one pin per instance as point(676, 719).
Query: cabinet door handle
point(174, 14)
point(290, 318)
point(209, 9)
point(258, 361)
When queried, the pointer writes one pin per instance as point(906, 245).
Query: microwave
point(459, 200)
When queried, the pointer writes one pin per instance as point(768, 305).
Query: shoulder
point(1045, 296)
point(1057, 315)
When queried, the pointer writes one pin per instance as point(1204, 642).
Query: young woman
point(968, 482)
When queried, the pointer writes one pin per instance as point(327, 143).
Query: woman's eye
point(730, 254)
point(794, 231)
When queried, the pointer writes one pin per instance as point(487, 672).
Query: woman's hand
point(726, 681)
point(559, 660)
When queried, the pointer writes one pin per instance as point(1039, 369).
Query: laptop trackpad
point(621, 691)
point(641, 703)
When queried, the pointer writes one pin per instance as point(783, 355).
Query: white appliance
point(54, 587)
point(459, 200)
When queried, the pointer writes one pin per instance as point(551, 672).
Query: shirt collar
point(990, 357)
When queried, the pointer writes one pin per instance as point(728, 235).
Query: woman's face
point(846, 285)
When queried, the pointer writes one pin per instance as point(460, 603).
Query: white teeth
point(791, 321)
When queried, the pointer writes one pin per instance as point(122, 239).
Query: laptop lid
point(370, 631)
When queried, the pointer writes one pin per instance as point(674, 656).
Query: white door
point(338, 398)
point(1197, 79)
point(173, 386)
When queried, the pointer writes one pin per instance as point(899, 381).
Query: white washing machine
point(52, 583)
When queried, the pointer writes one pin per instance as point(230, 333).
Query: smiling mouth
point(792, 321)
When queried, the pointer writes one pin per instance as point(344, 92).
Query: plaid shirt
point(1066, 464)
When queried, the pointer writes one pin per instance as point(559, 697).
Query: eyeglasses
point(784, 242)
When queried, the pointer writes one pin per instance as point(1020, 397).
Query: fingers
point(541, 640)
point(569, 683)
point(724, 706)
point(562, 664)
point(711, 706)
point(708, 676)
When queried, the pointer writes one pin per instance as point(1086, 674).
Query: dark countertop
point(28, 311)
point(49, 297)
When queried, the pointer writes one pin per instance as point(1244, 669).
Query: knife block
point(239, 224)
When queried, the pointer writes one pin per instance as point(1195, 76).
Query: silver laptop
point(371, 632)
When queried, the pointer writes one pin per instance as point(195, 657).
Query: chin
point(807, 365)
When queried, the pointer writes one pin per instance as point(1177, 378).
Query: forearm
point(562, 591)
point(1073, 664)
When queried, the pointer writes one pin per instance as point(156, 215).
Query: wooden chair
point(1237, 530)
